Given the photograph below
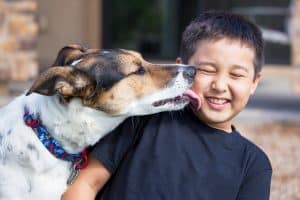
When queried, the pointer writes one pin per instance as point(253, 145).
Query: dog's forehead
point(119, 61)
point(114, 56)
point(121, 55)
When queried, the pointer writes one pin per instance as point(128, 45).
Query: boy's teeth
point(217, 101)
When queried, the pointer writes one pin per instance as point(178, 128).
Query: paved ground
point(281, 142)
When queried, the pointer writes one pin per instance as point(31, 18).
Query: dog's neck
point(72, 124)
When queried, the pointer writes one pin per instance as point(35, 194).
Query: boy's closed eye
point(239, 72)
point(238, 75)
point(236, 72)
point(206, 68)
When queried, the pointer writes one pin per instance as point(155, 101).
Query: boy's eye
point(239, 72)
point(237, 75)
point(206, 70)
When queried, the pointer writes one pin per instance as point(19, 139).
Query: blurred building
point(32, 31)
point(155, 27)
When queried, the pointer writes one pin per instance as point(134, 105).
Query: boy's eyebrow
point(205, 63)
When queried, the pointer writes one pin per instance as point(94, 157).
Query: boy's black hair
point(214, 25)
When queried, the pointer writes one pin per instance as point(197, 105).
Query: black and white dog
point(70, 106)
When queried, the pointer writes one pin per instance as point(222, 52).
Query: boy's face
point(225, 79)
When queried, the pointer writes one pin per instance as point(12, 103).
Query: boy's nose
point(189, 72)
point(219, 84)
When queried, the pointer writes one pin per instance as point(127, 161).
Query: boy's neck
point(224, 126)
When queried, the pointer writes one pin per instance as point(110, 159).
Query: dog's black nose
point(189, 72)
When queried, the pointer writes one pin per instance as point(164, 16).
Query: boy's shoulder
point(255, 155)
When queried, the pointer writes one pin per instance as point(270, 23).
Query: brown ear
point(69, 53)
point(64, 80)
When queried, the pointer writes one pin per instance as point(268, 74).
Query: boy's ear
point(255, 83)
point(178, 60)
point(65, 81)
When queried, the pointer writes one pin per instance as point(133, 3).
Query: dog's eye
point(140, 71)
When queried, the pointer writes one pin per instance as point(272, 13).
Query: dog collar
point(79, 160)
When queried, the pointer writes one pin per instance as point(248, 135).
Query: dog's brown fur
point(86, 79)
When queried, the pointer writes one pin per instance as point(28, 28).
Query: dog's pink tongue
point(194, 98)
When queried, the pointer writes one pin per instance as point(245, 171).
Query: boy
point(195, 153)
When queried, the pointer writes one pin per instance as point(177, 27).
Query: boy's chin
point(213, 117)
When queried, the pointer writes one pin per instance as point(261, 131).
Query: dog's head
point(117, 82)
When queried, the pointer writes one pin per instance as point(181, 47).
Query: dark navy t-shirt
point(171, 156)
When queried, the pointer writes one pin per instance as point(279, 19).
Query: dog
point(70, 106)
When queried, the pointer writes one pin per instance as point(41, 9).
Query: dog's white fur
point(27, 170)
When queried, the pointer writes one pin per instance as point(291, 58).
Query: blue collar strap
point(79, 160)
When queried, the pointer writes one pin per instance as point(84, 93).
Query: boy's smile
point(224, 81)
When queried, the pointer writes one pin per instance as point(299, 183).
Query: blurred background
point(32, 32)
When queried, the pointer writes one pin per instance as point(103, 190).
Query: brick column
point(18, 37)
point(295, 44)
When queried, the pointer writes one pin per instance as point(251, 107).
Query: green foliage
point(134, 19)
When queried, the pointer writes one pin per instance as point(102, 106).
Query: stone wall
point(18, 38)
point(295, 43)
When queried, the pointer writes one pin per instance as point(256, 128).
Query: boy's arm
point(256, 187)
point(103, 161)
point(89, 181)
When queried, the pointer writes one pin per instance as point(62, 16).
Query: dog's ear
point(68, 54)
point(63, 80)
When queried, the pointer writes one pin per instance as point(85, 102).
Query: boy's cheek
point(197, 89)
point(200, 83)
